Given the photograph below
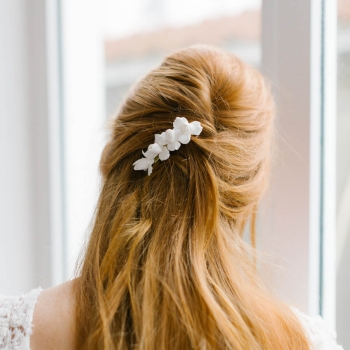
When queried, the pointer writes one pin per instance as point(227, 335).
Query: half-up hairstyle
point(166, 265)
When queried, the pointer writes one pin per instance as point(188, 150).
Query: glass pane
point(139, 33)
point(343, 175)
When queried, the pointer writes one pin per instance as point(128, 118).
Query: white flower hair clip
point(169, 140)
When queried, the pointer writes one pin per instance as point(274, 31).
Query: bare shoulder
point(53, 320)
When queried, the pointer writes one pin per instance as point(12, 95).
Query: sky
point(125, 17)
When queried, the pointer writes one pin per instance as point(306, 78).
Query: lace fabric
point(16, 315)
point(319, 333)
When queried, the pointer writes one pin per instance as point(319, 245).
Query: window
point(154, 29)
point(343, 174)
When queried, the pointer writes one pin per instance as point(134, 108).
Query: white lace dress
point(16, 315)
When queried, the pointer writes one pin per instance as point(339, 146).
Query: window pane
point(139, 33)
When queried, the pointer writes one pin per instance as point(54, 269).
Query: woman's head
point(166, 266)
point(224, 170)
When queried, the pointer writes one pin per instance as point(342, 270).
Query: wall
point(24, 215)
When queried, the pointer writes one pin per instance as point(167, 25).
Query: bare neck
point(54, 319)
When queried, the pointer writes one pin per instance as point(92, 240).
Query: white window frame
point(83, 118)
point(299, 56)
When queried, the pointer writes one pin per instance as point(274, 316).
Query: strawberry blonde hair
point(166, 265)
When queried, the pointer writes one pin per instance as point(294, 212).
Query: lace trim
point(319, 333)
point(16, 315)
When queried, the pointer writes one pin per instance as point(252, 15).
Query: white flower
point(187, 129)
point(172, 137)
point(153, 150)
point(144, 164)
point(169, 140)
point(164, 155)
point(160, 139)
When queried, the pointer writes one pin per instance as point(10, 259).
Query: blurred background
point(343, 172)
point(160, 27)
point(66, 66)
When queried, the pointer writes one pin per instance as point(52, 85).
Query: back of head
point(166, 266)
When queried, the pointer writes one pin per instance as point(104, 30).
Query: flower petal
point(153, 150)
point(160, 139)
point(180, 123)
point(164, 155)
point(173, 146)
point(155, 147)
point(142, 164)
point(150, 170)
point(185, 138)
point(149, 154)
point(171, 135)
point(195, 128)
point(177, 145)
point(178, 133)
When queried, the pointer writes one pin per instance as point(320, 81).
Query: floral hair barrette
point(169, 140)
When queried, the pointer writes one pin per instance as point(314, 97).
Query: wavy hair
point(166, 265)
